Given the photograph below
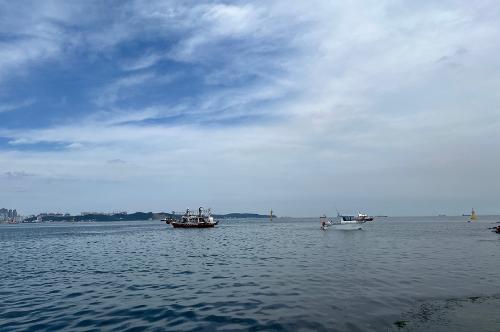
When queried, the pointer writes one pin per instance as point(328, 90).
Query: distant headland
point(124, 216)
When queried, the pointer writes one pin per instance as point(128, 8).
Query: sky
point(303, 107)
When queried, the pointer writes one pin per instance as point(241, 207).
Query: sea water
point(408, 274)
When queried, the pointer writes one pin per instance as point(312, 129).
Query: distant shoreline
point(136, 216)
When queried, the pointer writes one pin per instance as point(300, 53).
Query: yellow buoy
point(473, 215)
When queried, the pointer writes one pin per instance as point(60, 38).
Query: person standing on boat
point(323, 223)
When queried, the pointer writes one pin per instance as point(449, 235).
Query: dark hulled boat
point(203, 219)
point(193, 225)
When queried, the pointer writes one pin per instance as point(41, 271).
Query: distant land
point(130, 216)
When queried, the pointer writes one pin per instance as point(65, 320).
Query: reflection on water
point(253, 274)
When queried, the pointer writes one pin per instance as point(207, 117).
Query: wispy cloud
point(17, 174)
point(142, 62)
point(12, 106)
point(122, 88)
point(116, 161)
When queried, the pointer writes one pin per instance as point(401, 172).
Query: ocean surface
point(397, 274)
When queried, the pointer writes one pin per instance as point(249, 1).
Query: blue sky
point(304, 107)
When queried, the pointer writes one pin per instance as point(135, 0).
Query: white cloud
point(15, 55)
point(12, 106)
point(121, 88)
point(143, 62)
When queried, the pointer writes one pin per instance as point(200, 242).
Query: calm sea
point(407, 274)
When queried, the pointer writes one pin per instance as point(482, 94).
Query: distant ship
point(169, 219)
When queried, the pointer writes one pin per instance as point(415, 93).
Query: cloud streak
point(12, 106)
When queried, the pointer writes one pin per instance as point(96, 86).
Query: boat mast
point(271, 215)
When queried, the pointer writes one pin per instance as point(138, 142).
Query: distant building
point(8, 214)
point(4, 214)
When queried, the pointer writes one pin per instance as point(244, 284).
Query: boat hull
point(347, 227)
point(193, 225)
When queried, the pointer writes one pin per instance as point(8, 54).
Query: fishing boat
point(203, 219)
point(349, 222)
point(473, 216)
point(342, 222)
point(169, 218)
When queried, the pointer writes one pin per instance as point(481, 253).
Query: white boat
point(348, 222)
point(342, 223)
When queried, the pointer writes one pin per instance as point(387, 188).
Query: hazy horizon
point(351, 212)
point(304, 108)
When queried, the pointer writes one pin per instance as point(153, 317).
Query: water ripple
point(246, 276)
